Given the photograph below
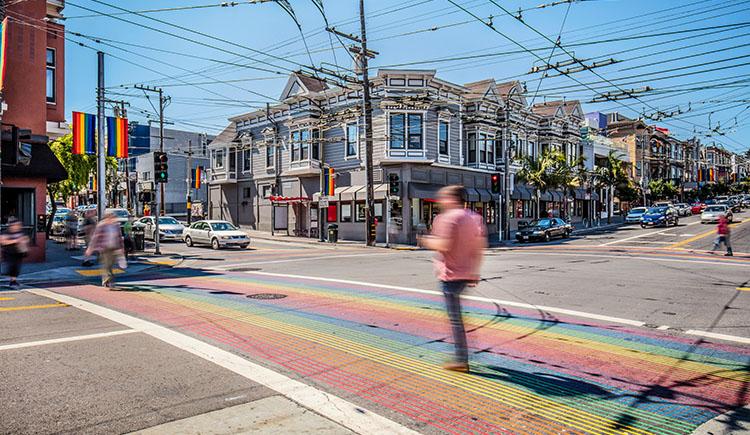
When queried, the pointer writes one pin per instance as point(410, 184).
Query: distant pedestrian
point(71, 231)
point(459, 238)
point(107, 241)
point(722, 236)
point(15, 246)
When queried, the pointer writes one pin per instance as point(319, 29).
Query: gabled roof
point(301, 84)
point(558, 108)
point(227, 136)
point(512, 90)
point(481, 89)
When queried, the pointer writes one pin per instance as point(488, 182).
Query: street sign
point(323, 203)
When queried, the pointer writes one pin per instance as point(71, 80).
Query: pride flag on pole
point(117, 137)
point(84, 132)
point(3, 51)
point(197, 177)
point(329, 184)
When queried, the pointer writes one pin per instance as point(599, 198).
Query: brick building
point(33, 99)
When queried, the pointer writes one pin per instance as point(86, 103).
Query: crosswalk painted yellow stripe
point(33, 307)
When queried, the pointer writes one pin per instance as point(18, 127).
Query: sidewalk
point(68, 265)
point(262, 235)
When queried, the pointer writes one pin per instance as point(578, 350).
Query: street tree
point(539, 173)
point(609, 176)
point(661, 189)
point(79, 168)
point(568, 177)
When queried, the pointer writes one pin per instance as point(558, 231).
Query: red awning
point(275, 198)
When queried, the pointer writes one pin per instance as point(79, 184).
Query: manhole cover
point(266, 296)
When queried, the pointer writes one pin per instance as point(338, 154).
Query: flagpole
point(101, 202)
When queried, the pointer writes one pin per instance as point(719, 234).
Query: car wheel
point(244, 246)
point(546, 237)
point(676, 222)
point(215, 244)
point(188, 241)
point(566, 234)
point(643, 226)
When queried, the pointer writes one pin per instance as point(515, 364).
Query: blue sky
point(680, 49)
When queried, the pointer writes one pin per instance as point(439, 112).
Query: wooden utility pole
point(369, 197)
point(101, 200)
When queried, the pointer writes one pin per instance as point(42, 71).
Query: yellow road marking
point(7, 299)
point(743, 289)
point(701, 236)
point(96, 272)
point(33, 307)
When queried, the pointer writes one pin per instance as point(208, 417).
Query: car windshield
point(716, 208)
point(168, 221)
point(657, 210)
point(222, 226)
point(541, 223)
point(638, 210)
point(710, 201)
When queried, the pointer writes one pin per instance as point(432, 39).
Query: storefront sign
point(323, 203)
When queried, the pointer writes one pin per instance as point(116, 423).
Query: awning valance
point(423, 191)
point(485, 195)
point(472, 195)
point(288, 199)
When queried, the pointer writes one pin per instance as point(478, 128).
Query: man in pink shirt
point(459, 239)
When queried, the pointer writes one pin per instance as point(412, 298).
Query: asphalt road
point(612, 332)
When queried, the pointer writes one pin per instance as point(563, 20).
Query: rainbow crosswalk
point(532, 373)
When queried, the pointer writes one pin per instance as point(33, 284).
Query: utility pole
point(505, 222)
point(101, 201)
point(370, 194)
point(160, 196)
point(189, 202)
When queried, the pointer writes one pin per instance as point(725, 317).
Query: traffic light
point(496, 183)
point(160, 167)
point(394, 184)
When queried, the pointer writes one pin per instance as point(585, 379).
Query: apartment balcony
point(222, 176)
point(301, 168)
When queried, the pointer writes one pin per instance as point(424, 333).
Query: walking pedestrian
point(71, 231)
point(15, 246)
point(722, 236)
point(458, 238)
point(107, 241)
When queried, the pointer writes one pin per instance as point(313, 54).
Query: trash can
point(333, 233)
point(139, 239)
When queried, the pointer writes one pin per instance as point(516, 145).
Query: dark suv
point(544, 229)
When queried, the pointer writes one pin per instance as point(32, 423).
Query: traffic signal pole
point(101, 182)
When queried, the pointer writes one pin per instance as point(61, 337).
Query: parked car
point(218, 234)
point(169, 228)
point(659, 216)
point(121, 214)
point(697, 208)
point(544, 229)
point(721, 198)
point(712, 213)
point(683, 209)
point(634, 216)
point(58, 225)
point(732, 205)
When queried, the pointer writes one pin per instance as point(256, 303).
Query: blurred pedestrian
point(722, 236)
point(89, 223)
point(107, 241)
point(459, 238)
point(71, 231)
point(15, 246)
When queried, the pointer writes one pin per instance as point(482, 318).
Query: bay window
point(352, 139)
point(443, 138)
point(316, 144)
point(472, 145)
point(270, 153)
point(304, 144)
point(295, 139)
point(482, 148)
point(397, 131)
point(415, 131)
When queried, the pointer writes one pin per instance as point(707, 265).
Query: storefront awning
point(472, 195)
point(521, 192)
point(379, 191)
point(546, 196)
point(485, 195)
point(349, 193)
point(423, 191)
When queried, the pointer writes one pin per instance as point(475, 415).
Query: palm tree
point(567, 177)
point(540, 174)
point(610, 175)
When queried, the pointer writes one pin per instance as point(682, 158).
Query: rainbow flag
point(117, 137)
point(92, 183)
point(197, 177)
point(3, 50)
point(84, 133)
point(329, 183)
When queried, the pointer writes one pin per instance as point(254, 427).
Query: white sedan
point(218, 234)
point(169, 228)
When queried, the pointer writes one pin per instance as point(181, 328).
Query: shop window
point(378, 206)
point(346, 212)
point(360, 215)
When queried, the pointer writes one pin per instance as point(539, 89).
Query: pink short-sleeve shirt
point(466, 233)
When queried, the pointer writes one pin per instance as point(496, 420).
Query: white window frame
point(406, 114)
point(348, 156)
point(440, 123)
point(341, 211)
point(247, 152)
point(215, 159)
point(270, 147)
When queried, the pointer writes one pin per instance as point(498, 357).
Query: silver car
point(169, 228)
point(634, 215)
point(218, 234)
point(712, 213)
